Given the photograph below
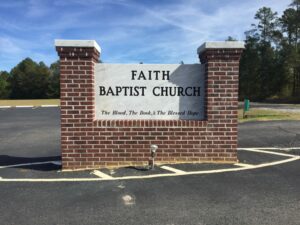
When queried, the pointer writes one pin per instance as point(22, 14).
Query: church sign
point(149, 91)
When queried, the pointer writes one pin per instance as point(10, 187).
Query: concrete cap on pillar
point(221, 45)
point(78, 43)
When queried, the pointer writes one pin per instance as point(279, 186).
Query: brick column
point(77, 60)
point(221, 60)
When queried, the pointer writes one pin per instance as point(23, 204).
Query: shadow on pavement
point(6, 160)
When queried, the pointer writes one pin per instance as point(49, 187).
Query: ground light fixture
point(153, 149)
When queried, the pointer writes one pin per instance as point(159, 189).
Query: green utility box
point(246, 107)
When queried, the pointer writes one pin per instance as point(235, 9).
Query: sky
point(128, 31)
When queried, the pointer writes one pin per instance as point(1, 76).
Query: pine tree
point(4, 85)
point(29, 80)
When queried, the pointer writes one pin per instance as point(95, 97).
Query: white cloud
point(190, 26)
point(37, 8)
point(128, 31)
point(13, 50)
point(7, 46)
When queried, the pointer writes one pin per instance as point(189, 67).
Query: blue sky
point(128, 31)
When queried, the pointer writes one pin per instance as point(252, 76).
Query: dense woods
point(270, 64)
point(30, 80)
point(269, 69)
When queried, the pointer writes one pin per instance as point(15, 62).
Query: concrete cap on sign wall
point(77, 43)
point(221, 45)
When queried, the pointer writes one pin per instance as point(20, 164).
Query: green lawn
point(268, 114)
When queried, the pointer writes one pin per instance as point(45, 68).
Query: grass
point(267, 115)
point(33, 102)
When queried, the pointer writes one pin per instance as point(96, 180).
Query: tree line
point(269, 67)
point(30, 80)
point(270, 64)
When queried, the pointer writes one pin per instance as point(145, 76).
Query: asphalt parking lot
point(262, 189)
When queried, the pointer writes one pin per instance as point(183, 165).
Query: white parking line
point(29, 164)
point(243, 165)
point(177, 171)
point(98, 173)
point(266, 152)
point(272, 148)
point(154, 175)
point(277, 162)
point(58, 163)
point(105, 177)
point(5, 107)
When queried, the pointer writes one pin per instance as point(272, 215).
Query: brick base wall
point(89, 143)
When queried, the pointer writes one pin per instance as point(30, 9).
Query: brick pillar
point(77, 60)
point(221, 60)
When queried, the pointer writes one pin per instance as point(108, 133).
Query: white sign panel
point(149, 91)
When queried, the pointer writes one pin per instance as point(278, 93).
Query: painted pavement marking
point(266, 152)
point(177, 171)
point(105, 177)
point(243, 165)
point(272, 148)
point(29, 164)
point(58, 163)
point(100, 174)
